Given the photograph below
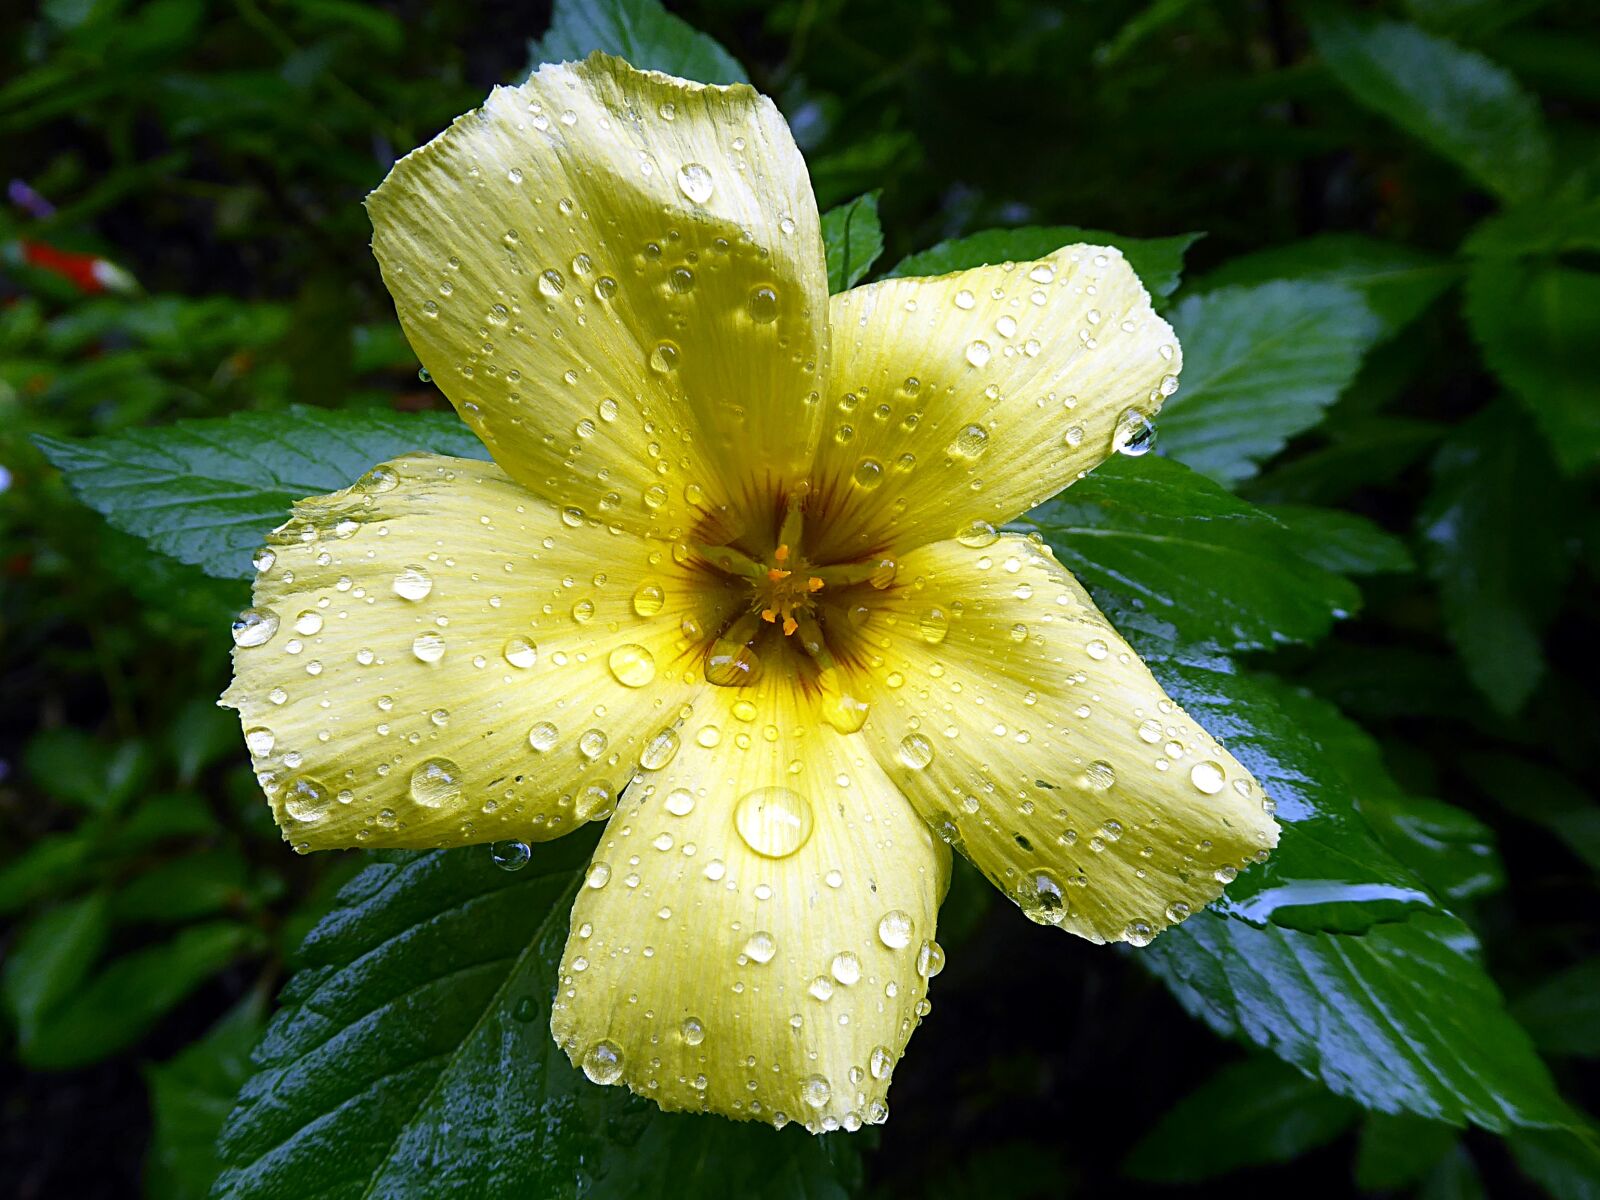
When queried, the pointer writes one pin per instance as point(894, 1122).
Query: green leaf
point(191, 1095)
point(1566, 1165)
point(1158, 542)
point(412, 1052)
point(207, 492)
point(199, 884)
point(118, 1005)
point(49, 867)
point(1330, 871)
point(1342, 542)
point(1495, 529)
point(1249, 1113)
point(1538, 327)
point(1450, 849)
point(1543, 796)
point(1363, 453)
point(1363, 1014)
point(1397, 281)
point(1454, 1177)
point(1460, 103)
point(51, 956)
point(1260, 364)
point(1157, 261)
point(77, 767)
point(853, 240)
point(1398, 1151)
point(1563, 1013)
point(1560, 225)
point(641, 31)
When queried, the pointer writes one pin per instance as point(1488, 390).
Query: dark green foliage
point(1363, 554)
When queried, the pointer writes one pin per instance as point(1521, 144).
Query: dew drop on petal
point(695, 182)
point(632, 665)
point(773, 821)
point(254, 627)
point(521, 653)
point(510, 855)
point(660, 750)
point(543, 736)
point(602, 1062)
point(1135, 434)
point(413, 583)
point(915, 751)
point(428, 647)
point(894, 930)
point(306, 799)
point(436, 782)
point(1208, 776)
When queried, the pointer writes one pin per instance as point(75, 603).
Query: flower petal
point(617, 278)
point(436, 657)
point(974, 396)
point(750, 937)
point(1034, 740)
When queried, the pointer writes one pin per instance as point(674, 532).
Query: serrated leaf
point(1555, 226)
point(641, 31)
point(1463, 105)
point(1360, 454)
point(853, 239)
point(118, 1004)
point(1397, 281)
point(1398, 1151)
point(1247, 1114)
point(1362, 1013)
point(1563, 1012)
point(1343, 542)
point(411, 1053)
point(191, 1095)
point(1538, 326)
point(1158, 542)
point(206, 492)
point(1260, 364)
point(1566, 1165)
point(1496, 545)
point(1157, 261)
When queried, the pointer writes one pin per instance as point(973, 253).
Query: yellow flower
point(734, 584)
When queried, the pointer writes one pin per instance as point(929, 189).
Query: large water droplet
point(632, 665)
point(510, 855)
point(763, 306)
point(260, 740)
point(695, 182)
point(660, 750)
point(894, 930)
point(592, 743)
point(435, 782)
point(413, 583)
point(970, 442)
point(930, 959)
point(694, 1030)
point(306, 799)
point(846, 968)
point(916, 751)
point(1208, 776)
point(428, 647)
point(934, 625)
point(761, 947)
point(254, 627)
point(648, 600)
point(1135, 434)
point(543, 736)
point(1042, 898)
point(602, 1062)
point(816, 1091)
point(978, 353)
point(520, 652)
point(773, 821)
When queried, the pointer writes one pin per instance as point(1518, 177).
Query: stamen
point(734, 562)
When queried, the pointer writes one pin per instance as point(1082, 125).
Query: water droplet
point(978, 534)
point(263, 559)
point(632, 665)
point(934, 625)
point(868, 473)
point(605, 287)
point(761, 947)
point(428, 647)
point(930, 959)
point(763, 305)
point(592, 743)
point(1096, 650)
point(521, 653)
point(435, 782)
point(599, 875)
point(1226, 874)
point(1042, 898)
point(260, 740)
point(1099, 776)
point(602, 1062)
point(413, 583)
point(648, 600)
point(773, 821)
point(978, 353)
point(526, 1010)
point(664, 358)
point(694, 1030)
point(965, 299)
point(306, 799)
point(821, 988)
point(846, 968)
point(1138, 933)
point(916, 751)
point(680, 802)
point(1178, 911)
point(894, 930)
point(1208, 776)
point(1150, 731)
point(1135, 434)
point(695, 182)
point(254, 627)
point(543, 736)
point(971, 442)
point(660, 750)
point(511, 855)
point(552, 283)
point(583, 611)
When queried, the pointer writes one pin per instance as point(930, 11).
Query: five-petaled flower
point(734, 584)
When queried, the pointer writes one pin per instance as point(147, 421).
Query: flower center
point(801, 614)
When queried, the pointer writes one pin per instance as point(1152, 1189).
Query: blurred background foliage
point(1397, 292)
